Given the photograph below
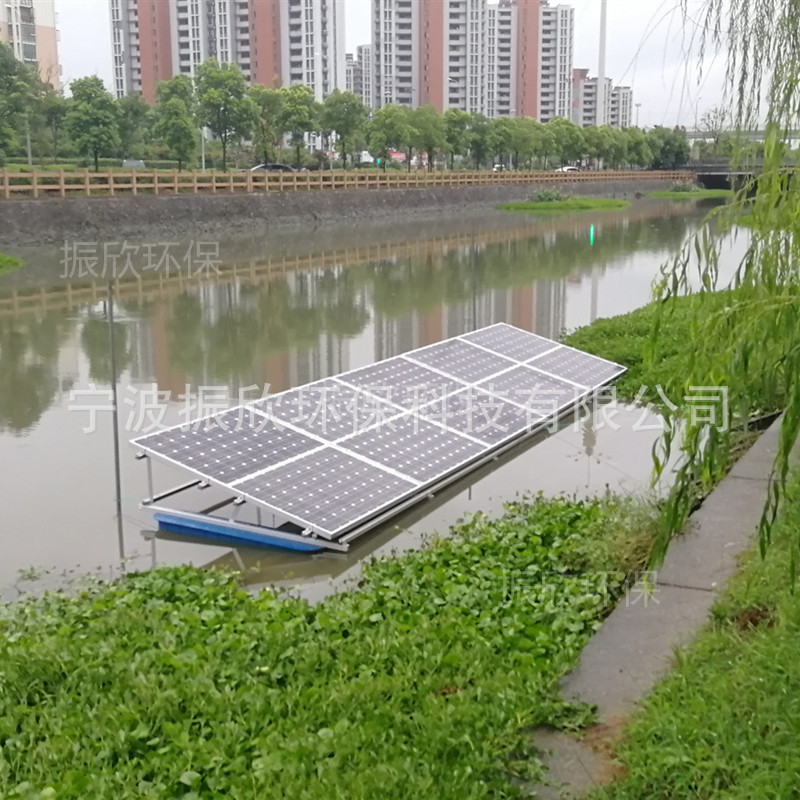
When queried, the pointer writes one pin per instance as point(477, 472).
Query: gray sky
point(649, 47)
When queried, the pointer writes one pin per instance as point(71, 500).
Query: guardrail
point(111, 184)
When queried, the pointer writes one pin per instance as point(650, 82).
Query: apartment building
point(30, 29)
point(501, 59)
point(274, 42)
point(620, 111)
point(496, 57)
point(556, 58)
point(358, 71)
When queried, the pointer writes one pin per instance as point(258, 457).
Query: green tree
point(479, 145)
point(267, 122)
point(224, 106)
point(638, 149)
point(524, 140)
point(16, 97)
point(93, 119)
point(670, 147)
point(750, 342)
point(569, 138)
point(388, 130)
point(428, 132)
point(456, 133)
point(179, 86)
point(598, 143)
point(175, 127)
point(345, 115)
point(501, 138)
point(54, 113)
point(135, 118)
point(299, 115)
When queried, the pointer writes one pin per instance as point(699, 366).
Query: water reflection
point(283, 320)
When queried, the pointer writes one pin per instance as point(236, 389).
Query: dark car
point(272, 168)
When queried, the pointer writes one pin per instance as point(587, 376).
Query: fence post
point(133, 181)
point(61, 187)
point(6, 185)
point(86, 185)
point(35, 183)
point(155, 183)
point(110, 180)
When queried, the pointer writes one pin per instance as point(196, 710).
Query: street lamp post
point(638, 106)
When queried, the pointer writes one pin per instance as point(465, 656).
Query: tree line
point(95, 125)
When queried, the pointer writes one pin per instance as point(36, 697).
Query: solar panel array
point(333, 454)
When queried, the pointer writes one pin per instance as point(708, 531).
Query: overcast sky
point(650, 47)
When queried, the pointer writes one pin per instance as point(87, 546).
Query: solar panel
point(481, 415)
point(228, 446)
point(327, 490)
point(403, 382)
point(533, 390)
point(462, 360)
point(335, 454)
point(511, 342)
point(328, 409)
point(580, 368)
point(415, 447)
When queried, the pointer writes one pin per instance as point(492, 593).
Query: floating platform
point(333, 459)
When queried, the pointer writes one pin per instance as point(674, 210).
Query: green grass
point(9, 263)
point(568, 205)
point(726, 722)
point(699, 194)
point(178, 684)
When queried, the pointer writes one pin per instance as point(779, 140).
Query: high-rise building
point(555, 56)
point(364, 58)
point(358, 74)
point(501, 51)
point(29, 27)
point(620, 112)
point(618, 100)
point(274, 42)
point(497, 57)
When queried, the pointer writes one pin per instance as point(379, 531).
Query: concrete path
point(633, 649)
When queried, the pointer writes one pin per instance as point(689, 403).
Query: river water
point(280, 311)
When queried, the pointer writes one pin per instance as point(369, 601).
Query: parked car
point(499, 168)
point(568, 168)
point(272, 168)
point(133, 163)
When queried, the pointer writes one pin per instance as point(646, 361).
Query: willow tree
point(748, 339)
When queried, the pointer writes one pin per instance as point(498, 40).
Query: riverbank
point(50, 220)
point(726, 721)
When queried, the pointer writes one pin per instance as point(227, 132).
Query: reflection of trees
point(28, 369)
point(96, 345)
point(411, 285)
point(221, 336)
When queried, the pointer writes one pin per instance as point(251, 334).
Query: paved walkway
point(633, 649)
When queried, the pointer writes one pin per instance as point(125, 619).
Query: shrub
point(683, 187)
point(548, 196)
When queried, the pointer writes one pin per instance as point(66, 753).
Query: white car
point(567, 169)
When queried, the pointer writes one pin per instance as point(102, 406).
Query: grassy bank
point(697, 194)
point(177, 683)
point(9, 263)
point(628, 340)
point(726, 722)
point(568, 204)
